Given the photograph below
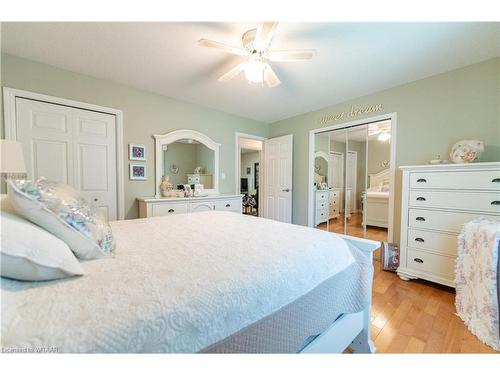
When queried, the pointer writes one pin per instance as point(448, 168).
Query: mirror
point(187, 157)
point(188, 161)
point(353, 182)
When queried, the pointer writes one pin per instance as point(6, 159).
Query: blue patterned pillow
point(62, 211)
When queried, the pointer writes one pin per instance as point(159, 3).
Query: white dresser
point(436, 201)
point(327, 203)
point(149, 207)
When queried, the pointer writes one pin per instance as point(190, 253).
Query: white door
point(72, 146)
point(351, 176)
point(336, 170)
point(278, 159)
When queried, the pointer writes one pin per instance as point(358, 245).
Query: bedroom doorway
point(248, 172)
point(351, 175)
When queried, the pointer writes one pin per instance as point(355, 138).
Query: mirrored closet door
point(352, 180)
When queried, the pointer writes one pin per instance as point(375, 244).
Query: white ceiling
point(352, 59)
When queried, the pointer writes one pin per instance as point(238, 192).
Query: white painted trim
point(310, 181)
point(9, 102)
point(165, 139)
point(237, 168)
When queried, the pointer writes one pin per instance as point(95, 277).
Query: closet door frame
point(392, 168)
point(9, 107)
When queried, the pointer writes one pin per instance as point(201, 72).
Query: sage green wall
point(144, 114)
point(432, 114)
point(378, 152)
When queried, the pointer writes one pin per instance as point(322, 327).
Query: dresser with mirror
point(187, 177)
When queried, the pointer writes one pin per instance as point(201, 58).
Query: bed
point(376, 200)
point(210, 282)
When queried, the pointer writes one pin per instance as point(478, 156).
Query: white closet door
point(71, 146)
point(352, 172)
point(95, 158)
point(336, 170)
point(278, 161)
point(46, 133)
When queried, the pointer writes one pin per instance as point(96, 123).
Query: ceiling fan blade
point(264, 35)
point(232, 73)
point(223, 47)
point(294, 55)
point(270, 77)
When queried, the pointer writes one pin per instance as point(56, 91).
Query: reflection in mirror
point(355, 180)
point(352, 196)
point(187, 161)
point(376, 198)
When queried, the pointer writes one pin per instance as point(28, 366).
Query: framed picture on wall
point(256, 175)
point(137, 172)
point(248, 170)
point(136, 152)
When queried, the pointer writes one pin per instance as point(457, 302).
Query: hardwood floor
point(411, 316)
point(418, 317)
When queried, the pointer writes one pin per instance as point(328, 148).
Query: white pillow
point(30, 253)
point(62, 211)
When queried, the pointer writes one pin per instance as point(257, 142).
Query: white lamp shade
point(12, 159)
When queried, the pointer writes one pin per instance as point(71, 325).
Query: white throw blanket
point(477, 279)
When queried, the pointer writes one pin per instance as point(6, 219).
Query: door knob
point(287, 190)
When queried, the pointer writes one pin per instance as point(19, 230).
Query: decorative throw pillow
point(30, 253)
point(60, 209)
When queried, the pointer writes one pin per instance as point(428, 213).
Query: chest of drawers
point(436, 201)
point(327, 204)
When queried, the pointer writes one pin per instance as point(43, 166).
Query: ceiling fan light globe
point(254, 71)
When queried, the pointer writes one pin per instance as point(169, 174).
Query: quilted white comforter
point(176, 284)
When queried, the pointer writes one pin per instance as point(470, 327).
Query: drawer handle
point(421, 180)
point(228, 205)
point(419, 239)
point(496, 179)
point(420, 218)
point(418, 260)
point(171, 210)
point(421, 199)
point(495, 203)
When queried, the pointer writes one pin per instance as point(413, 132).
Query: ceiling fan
point(255, 47)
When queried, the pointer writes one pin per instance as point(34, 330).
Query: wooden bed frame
point(349, 330)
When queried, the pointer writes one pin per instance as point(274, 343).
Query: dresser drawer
point(485, 180)
point(442, 243)
point(320, 216)
point(228, 205)
point(321, 205)
point(440, 220)
point(459, 200)
point(438, 265)
point(164, 209)
point(321, 196)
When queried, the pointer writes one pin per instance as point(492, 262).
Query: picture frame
point(137, 171)
point(136, 152)
point(249, 170)
point(256, 176)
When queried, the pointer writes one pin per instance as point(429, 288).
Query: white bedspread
point(177, 284)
